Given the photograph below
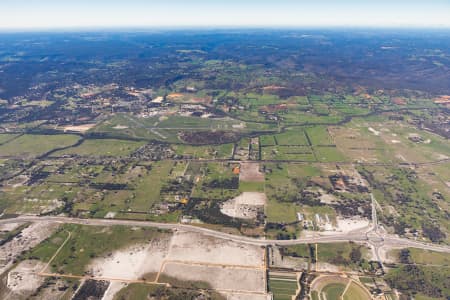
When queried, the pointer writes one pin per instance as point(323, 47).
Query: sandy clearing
point(244, 206)
point(327, 198)
point(9, 227)
point(181, 254)
point(399, 156)
point(251, 280)
point(249, 171)
point(132, 262)
point(375, 132)
point(326, 267)
point(349, 225)
point(387, 255)
point(189, 246)
point(23, 279)
point(79, 128)
point(175, 96)
point(441, 156)
point(110, 215)
point(119, 127)
point(30, 237)
point(231, 296)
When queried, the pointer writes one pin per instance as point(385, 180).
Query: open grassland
point(167, 128)
point(424, 257)
point(296, 153)
point(338, 287)
point(329, 154)
point(333, 291)
point(356, 292)
point(409, 200)
point(319, 136)
point(428, 281)
point(247, 186)
point(95, 190)
point(204, 152)
point(384, 140)
point(29, 146)
point(295, 137)
point(419, 256)
point(146, 291)
point(360, 145)
point(282, 185)
point(147, 192)
point(86, 243)
point(283, 287)
point(213, 180)
point(36, 199)
point(5, 137)
point(267, 140)
point(102, 147)
point(348, 256)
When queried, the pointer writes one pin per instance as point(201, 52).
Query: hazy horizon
point(31, 15)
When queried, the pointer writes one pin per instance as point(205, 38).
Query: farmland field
point(27, 146)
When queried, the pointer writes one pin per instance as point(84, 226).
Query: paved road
point(390, 241)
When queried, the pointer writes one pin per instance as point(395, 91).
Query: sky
point(61, 14)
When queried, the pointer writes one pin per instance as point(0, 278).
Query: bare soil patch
point(23, 279)
point(79, 128)
point(9, 226)
point(29, 238)
point(237, 296)
point(249, 171)
point(221, 278)
point(349, 225)
point(195, 247)
point(132, 262)
point(245, 206)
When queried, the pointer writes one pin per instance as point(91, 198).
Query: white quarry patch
point(133, 262)
point(29, 238)
point(244, 206)
point(375, 132)
point(236, 270)
point(110, 215)
point(349, 225)
point(235, 279)
point(23, 279)
point(195, 247)
point(79, 128)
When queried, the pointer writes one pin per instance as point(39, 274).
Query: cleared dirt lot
point(244, 206)
point(249, 171)
point(79, 128)
point(194, 247)
point(224, 265)
point(29, 238)
point(133, 262)
point(220, 278)
point(238, 296)
point(23, 279)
